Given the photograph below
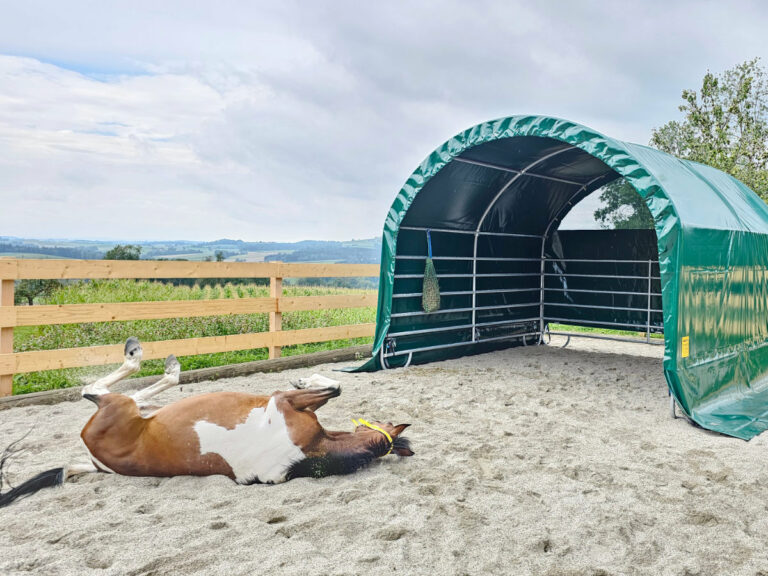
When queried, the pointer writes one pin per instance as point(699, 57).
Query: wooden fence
point(21, 362)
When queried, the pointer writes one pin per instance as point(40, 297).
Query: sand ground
point(528, 461)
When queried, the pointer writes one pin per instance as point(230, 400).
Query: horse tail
point(47, 479)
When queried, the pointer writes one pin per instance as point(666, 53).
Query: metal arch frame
point(583, 187)
point(488, 208)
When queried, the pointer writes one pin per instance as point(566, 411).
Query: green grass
point(101, 333)
point(608, 331)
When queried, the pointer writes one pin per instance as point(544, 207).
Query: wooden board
point(11, 316)
point(22, 362)
point(6, 335)
point(91, 269)
point(80, 313)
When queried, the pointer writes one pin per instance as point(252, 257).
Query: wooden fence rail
point(12, 316)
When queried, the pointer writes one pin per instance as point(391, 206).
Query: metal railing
point(468, 325)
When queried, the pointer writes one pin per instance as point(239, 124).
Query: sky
point(284, 121)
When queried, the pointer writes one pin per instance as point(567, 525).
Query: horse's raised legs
point(169, 380)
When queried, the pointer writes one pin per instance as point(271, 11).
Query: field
point(529, 461)
point(92, 334)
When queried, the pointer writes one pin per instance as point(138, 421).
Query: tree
point(219, 256)
point(127, 252)
point(30, 289)
point(622, 207)
point(725, 125)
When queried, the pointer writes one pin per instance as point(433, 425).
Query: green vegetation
point(605, 331)
point(124, 252)
point(725, 125)
point(101, 333)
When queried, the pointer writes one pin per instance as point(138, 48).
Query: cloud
point(285, 121)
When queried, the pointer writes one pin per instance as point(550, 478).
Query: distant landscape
point(366, 251)
point(55, 292)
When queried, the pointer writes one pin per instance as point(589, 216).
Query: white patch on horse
point(259, 448)
point(98, 463)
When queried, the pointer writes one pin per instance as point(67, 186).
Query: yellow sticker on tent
point(686, 350)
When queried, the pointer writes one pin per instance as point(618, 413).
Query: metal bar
point(448, 231)
point(421, 313)
point(648, 322)
point(457, 344)
point(507, 290)
point(600, 261)
point(433, 258)
point(474, 287)
point(414, 276)
point(505, 306)
point(567, 275)
point(521, 172)
point(469, 292)
point(600, 307)
point(579, 321)
point(605, 337)
point(473, 309)
point(513, 275)
point(515, 321)
point(429, 330)
point(599, 291)
point(542, 267)
point(467, 258)
point(418, 294)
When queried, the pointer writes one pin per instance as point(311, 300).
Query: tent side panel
point(723, 379)
point(600, 278)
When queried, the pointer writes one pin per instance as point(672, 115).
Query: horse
point(248, 438)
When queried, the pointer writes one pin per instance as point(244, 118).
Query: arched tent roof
point(522, 174)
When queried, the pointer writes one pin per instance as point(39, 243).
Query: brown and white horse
point(251, 439)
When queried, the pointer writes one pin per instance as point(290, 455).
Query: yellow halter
point(361, 422)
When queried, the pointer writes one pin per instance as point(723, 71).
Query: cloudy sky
point(296, 120)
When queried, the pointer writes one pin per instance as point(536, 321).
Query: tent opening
point(505, 269)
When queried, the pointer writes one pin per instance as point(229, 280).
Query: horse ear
point(399, 430)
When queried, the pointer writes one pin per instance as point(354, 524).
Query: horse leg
point(314, 381)
point(131, 365)
point(77, 469)
point(309, 399)
point(169, 380)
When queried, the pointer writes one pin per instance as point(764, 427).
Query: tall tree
point(127, 252)
point(725, 125)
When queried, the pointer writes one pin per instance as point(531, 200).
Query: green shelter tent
point(493, 197)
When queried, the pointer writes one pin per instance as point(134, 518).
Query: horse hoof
point(133, 347)
point(172, 365)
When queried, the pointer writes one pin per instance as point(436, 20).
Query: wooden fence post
point(275, 318)
point(6, 336)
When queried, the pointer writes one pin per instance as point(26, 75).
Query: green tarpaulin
point(494, 196)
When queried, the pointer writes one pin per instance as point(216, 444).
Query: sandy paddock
point(528, 461)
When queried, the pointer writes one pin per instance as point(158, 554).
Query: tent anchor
point(383, 359)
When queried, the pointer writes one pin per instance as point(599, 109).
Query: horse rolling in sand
point(251, 439)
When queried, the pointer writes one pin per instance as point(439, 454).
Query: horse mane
point(344, 462)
